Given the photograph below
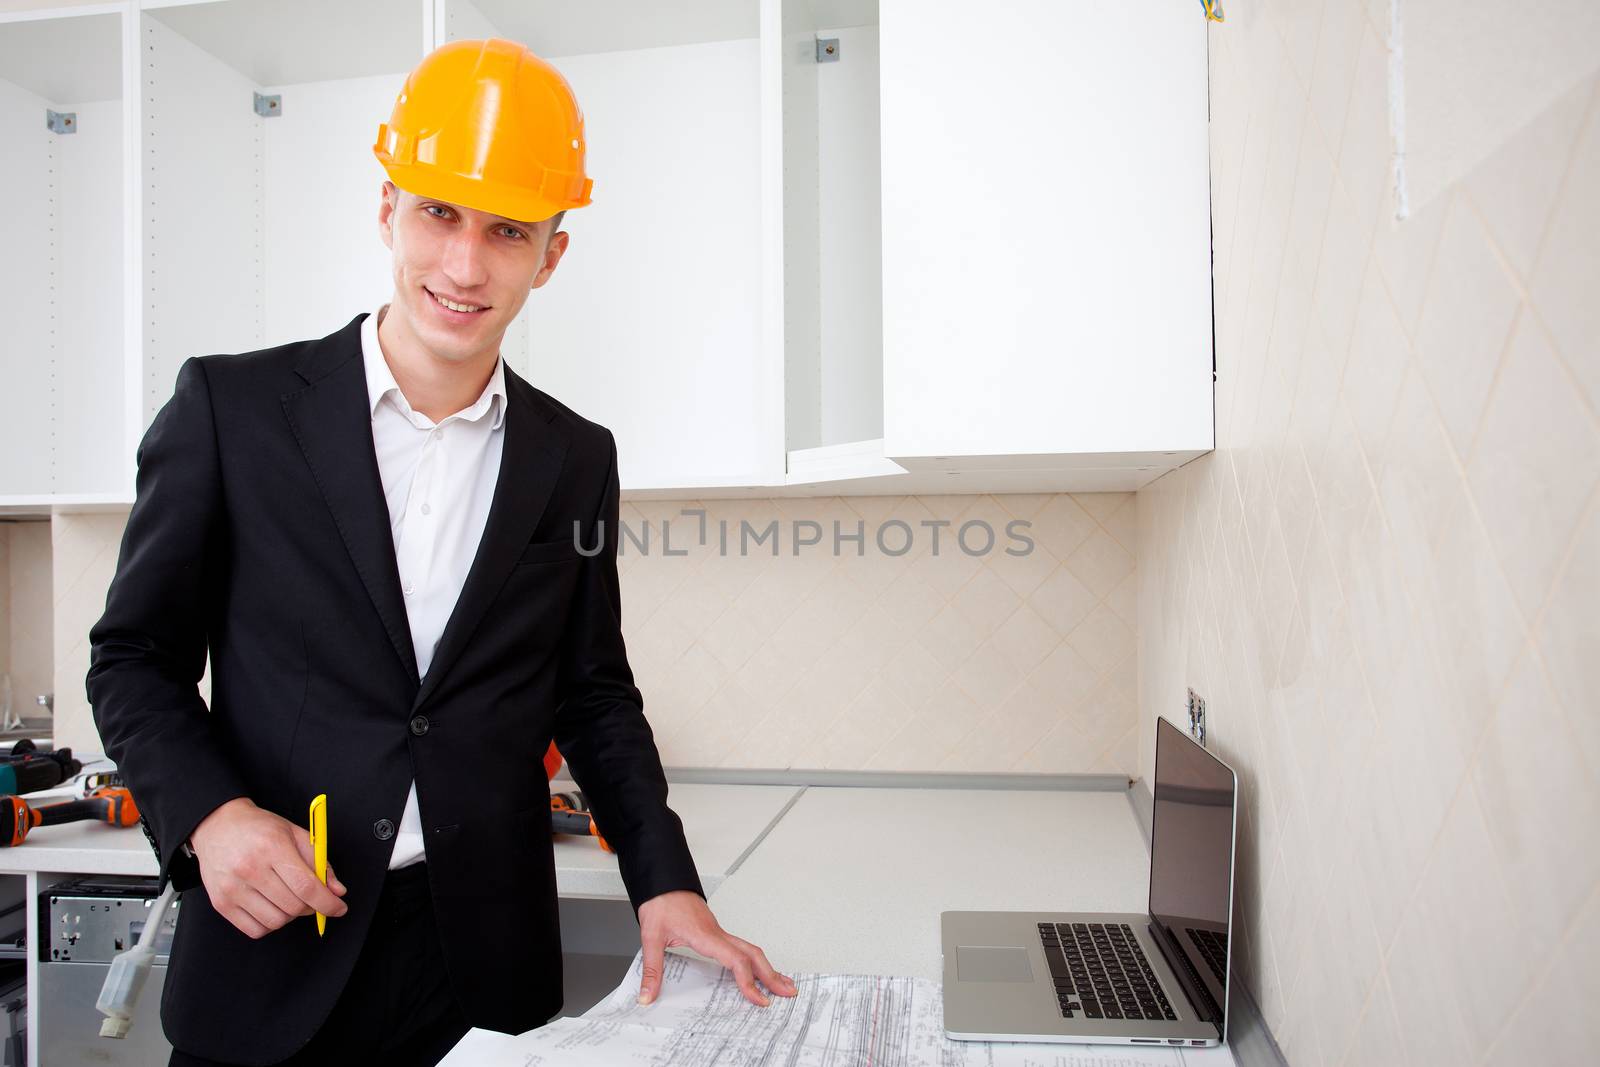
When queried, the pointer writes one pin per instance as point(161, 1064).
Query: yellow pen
point(319, 847)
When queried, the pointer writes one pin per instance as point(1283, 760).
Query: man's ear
point(553, 252)
point(389, 201)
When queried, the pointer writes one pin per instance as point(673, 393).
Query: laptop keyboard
point(1101, 972)
point(1214, 947)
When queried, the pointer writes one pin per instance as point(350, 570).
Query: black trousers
point(397, 1009)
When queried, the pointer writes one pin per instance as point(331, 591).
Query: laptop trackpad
point(992, 963)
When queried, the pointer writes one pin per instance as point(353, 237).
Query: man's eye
point(512, 232)
point(430, 208)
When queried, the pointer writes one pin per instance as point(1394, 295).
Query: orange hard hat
point(490, 126)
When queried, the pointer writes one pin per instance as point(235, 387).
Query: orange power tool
point(570, 815)
point(109, 804)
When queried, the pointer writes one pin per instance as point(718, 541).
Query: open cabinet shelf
point(63, 353)
point(953, 249)
point(260, 227)
point(652, 323)
point(832, 241)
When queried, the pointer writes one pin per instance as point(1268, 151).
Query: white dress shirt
point(438, 479)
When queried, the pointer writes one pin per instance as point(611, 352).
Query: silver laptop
point(1153, 978)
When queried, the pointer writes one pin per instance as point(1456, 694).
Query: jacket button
point(419, 725)
point(383, 829)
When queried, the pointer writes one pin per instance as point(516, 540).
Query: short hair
point(555, 221)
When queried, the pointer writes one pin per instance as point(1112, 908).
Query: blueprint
point(700, 1019)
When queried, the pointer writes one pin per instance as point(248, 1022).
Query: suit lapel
point(333, 423)
point(531, 459)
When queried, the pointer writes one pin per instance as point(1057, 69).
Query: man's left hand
point(681, 917)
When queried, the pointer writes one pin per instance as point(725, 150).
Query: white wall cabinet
point(1046, 249)
point(178, 220)
point(957, 249)
point(65, 370)
point(1030, 182)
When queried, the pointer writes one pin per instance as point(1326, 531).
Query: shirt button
point(408, 588)
point(419, 725)
point(383, 829)
point(426, 509)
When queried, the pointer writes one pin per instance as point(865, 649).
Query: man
point(401, 557)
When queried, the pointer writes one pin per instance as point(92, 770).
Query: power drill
point(27, 768)
point(109, 804)
point(569, 814)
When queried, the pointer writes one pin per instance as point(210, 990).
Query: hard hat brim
point(517, 204)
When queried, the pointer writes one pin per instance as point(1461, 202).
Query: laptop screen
point(1191, 863)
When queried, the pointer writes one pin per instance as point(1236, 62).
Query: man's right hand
point(257, 869)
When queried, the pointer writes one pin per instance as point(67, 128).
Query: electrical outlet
point(1197, 717)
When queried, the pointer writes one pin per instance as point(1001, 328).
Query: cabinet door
point(1046, 245)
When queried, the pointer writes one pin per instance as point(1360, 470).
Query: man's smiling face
point(462, 275)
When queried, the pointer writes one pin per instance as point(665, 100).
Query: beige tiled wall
point(988, 662)
point(28, 633)
point(1386, 579)
point(5, 597)
point(85, 554)
point(921, 661)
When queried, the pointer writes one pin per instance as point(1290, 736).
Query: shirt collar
point(380, 379)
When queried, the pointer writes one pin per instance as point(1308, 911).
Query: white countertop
point(853, 880)
point(720, 821)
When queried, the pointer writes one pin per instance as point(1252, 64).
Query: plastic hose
point(120, 994)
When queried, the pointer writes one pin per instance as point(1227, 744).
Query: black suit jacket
point(260, 531)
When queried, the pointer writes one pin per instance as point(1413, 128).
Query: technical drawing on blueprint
point(700, 1019)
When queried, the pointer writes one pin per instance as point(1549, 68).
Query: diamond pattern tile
point(1466, 322)
point(27, 612)
point(6, 598)
point(1532, 487)
point(968, 657)
point(1390, 603)
point(83, 559)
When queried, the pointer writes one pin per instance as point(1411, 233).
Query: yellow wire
point(1213, 10)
